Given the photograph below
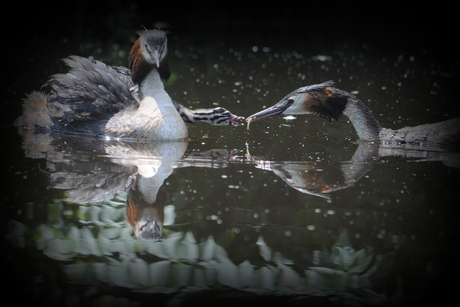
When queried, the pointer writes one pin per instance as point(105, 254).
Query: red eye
point(290, 101)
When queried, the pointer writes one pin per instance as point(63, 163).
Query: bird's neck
point(366, 125)
point(156, 104)
point(151, 85)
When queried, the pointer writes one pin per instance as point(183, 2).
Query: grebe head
point(154, 46)
point(320, 99)
point(149, 51)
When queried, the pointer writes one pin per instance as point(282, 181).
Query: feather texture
point(96, 99)
point(89, 93)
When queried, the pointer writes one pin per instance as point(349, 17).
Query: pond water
point(294, 210)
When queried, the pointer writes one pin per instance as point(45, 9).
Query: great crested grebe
point(96, 99)
point(326, 101)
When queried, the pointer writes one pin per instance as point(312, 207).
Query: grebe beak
point(277, 109)
point(155, 56)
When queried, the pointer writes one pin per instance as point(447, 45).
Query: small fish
point(249, 120)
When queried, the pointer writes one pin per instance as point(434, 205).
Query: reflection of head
point(311, 178)
point(146, 218)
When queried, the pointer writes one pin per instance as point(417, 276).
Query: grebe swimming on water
point(329, 102)
point(95, 99)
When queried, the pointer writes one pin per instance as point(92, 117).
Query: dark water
point(293, 210)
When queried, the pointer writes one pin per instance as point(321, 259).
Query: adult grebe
point(96, 99)
point(329, 102)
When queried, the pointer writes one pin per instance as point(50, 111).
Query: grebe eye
point(290, 101)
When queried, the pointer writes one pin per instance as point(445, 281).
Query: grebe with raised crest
point(96, 99)
point(326, 101)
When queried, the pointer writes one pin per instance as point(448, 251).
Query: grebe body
point(326, 101)
point(96, 99)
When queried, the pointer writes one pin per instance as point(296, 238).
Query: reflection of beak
point(151, 226)
point(150, 231)
point(272, 111)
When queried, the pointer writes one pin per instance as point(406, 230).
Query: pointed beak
point(277, 109)
point(155, 56)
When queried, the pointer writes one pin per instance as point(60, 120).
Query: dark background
point(37, 33)
point(36, 36)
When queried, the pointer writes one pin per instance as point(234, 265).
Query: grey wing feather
point(91, 91)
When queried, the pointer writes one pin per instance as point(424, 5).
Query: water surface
point(294, 209)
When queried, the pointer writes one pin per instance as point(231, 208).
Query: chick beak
point(277, 109)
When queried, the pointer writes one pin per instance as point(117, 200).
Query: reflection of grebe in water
point(95, 171)
point(96, 99)
point(145, 203)
point(323, 177)
point(145, 212)
point(329, 102)
point(320, 178)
